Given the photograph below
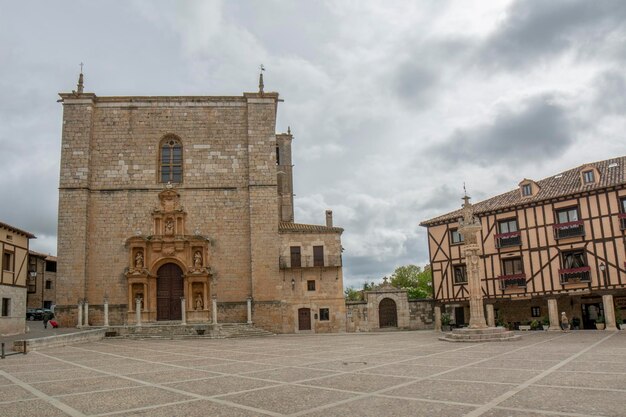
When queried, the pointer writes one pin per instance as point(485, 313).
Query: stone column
point(249, 310)
point(86, 315)
point(491, 317)
point(80, 314)
point(477, 310)
point(106, 313)
point(437, 318)
point(183, 312)
point(469, 228)
point(214, 309)
point(138, 312)
point(609, 312)
point(553, 314)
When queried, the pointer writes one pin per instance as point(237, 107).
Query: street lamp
point(603, 269)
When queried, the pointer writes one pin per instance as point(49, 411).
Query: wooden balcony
point(569, 229)
point(512, 281)
point(575, 275)
point(289, 262)
point(506, 240)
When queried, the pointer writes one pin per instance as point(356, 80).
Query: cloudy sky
point(393, 105)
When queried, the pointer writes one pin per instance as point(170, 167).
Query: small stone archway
point(395, 312)
point(387, 313)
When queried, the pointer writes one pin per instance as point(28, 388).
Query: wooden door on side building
point(459, 316)
point(387, 313)
point(590, 313)
point(304, 319)
point(169, 292)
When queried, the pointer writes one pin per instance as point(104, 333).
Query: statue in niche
point(139, 296)
point(199, 302)
point(197, 259)
point(169, 227)
point(139, 260)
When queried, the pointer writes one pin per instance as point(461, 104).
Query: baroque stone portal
point(169, 244)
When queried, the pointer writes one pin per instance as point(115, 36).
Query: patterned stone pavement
point(375, 374)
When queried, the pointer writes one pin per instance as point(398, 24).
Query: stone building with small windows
point(549, 246)
point(41, 280)
point(182, 207)
point(14, 244)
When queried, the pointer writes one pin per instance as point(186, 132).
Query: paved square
point(370, 374)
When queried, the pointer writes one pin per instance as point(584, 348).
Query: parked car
point(34, 314)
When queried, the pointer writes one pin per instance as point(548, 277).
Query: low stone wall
point(15, 323)
point(362, 316)
point(421, 314)
point(232, 312)
point(59, 340)
point(271, 316)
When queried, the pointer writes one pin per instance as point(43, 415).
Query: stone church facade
point(163, 198)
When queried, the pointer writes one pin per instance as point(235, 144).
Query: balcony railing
point(622, 221)
point(505, 240)
point(293, 262)
point(514, 280)
point(569, 229)
point(575, 275)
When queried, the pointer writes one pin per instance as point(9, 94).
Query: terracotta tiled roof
point(44, 256)
point(287, 227)
point(612, 173)
point(18, 231)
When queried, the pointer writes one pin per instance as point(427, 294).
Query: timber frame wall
point(603, 242)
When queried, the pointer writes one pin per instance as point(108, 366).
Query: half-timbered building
point(14, 244)
point(549, 246)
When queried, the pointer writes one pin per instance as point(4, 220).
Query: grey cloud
point(610, 93)
point(33, 204)
point(441, 198)
point(359, 269)
point(417, 79)
point(540, 130)
point(534, 30)
point(415, 84)
point(304, 28)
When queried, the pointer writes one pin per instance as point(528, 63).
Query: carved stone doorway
point(387, 313)
point(304, 319)
point(169, 291)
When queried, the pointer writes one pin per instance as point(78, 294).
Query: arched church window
point(171, 160)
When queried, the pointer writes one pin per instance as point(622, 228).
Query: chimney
point(329, 218)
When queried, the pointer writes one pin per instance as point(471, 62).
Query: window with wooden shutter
point(318, 256)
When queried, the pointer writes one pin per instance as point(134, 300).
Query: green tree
point(414, 279)
point(353, 295)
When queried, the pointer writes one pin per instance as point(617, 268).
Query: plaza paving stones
point(371, 374)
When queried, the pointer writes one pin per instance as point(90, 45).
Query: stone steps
point(490, 334)
point(229, 330)
point(174, 330)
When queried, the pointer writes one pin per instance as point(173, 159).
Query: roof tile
point(558, 185)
